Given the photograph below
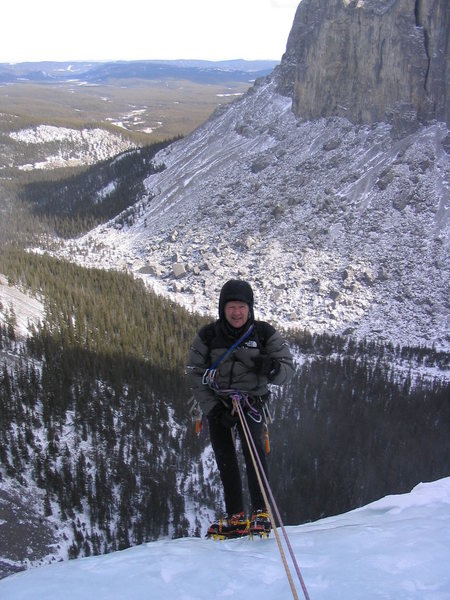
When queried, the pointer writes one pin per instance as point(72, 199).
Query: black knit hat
point(235, 289)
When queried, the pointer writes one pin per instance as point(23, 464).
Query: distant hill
point(192, 70)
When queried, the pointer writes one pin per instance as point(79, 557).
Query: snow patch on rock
point(73, 147)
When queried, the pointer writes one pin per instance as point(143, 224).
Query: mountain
point(340, 223)
point(96, 72)
point(206, 72)
point(351, 555)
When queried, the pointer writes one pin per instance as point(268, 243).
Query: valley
point(144, 111)
point(147, 101)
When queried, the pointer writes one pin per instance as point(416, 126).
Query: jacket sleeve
point(278, 348)
point(198, 362)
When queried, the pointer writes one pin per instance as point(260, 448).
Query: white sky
point(36, 30)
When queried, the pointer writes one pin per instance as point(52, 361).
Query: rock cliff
point(369, 61)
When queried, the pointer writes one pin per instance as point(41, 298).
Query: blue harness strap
point(210, 374)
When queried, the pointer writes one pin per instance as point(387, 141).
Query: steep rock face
point(369, 61)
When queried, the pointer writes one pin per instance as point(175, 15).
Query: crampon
point(260, 524)
point(238, 526)
point(229, 528)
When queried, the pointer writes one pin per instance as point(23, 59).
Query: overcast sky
point(36, 30)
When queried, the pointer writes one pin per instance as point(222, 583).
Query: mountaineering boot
point(233, 526)
point(260, 524)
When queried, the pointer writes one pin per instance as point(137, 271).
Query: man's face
point(236, 313)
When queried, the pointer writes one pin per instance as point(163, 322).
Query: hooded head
point(235, 289)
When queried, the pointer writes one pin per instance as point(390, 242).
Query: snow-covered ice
point(396, 548)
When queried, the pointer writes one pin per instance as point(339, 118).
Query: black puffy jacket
point(236, 371)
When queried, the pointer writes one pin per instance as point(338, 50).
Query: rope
point(280, 521)
point(263, 491)
point(259, 470)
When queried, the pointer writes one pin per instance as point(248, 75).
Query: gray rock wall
point(369, 61)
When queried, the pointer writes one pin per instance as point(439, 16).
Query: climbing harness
point(236, 398)
point(252, 413)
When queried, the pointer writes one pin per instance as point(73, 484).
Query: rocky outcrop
point(369, 61)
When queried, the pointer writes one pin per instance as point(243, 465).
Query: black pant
point(227, 463)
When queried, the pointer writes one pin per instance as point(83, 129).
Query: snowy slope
point(24, 310)
point(393, 549)
point(339, 227)
point(63, 147)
